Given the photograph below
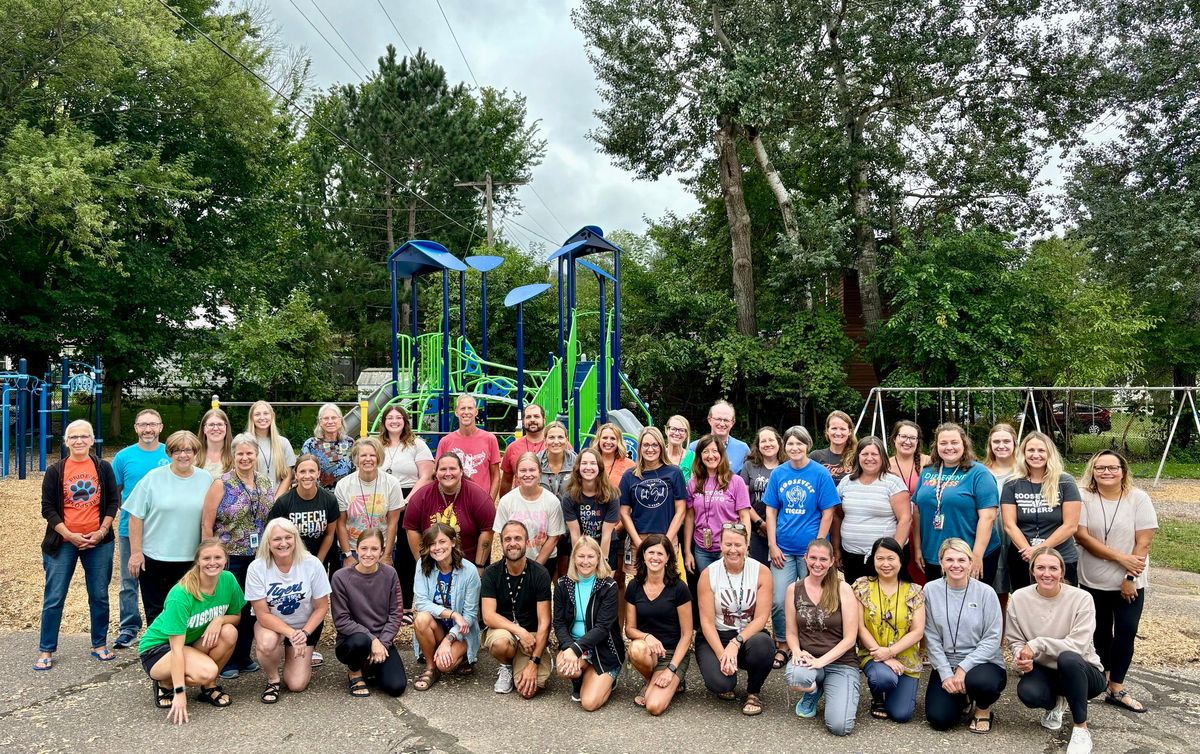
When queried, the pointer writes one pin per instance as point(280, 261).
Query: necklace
point(739, 606)
point(513, 591)
point(362, 491)
point(891, 614)
point(447, 505)
point(1116, 509)
point(957, 621)
point(389, 458)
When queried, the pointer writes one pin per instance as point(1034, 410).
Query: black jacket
point(603, 634)
point(52, 501)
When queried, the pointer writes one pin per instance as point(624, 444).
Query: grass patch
point(1147, 469)
point(1175, 545)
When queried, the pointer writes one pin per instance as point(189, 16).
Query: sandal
point(982, 725)
point(214, 695)
point(727, 695)
point(781, 658)
point(640, 699)
point(426, 680)
point(879, 709)
point(1124, 700)
point(103, 654)
point(358, 687)
point(270, 694)
point(465, 668)
point(753, 705)
point(162, 695)
point(407, 618)
point(43, 663)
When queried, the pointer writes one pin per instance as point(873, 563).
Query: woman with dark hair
point(907, 464)
point(330, 444)
point(591, 506)
point(890, 631)
point(653, 495)
point(875, 504)
point(406, 457)
point(838, 458)
point(715, 497)
point(591, 650)
point(822, 626)
point(216, 443)
point(1040, 506)
point(658, 622)
point(446, 604)
point(766, 452)
point(313, 509)
point(956, 497)
point(367, 604)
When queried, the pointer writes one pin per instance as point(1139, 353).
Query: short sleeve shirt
point(831, 461)
point(311, 517)
point(1116, 524)
point(889, 617)
point(652, 497)
point(714, 507)
point(184, 614)
point(1036, 519)
point(81, 496)
point(591, 514)
point(170, 508)
point(964, 494)
point(659, 616)
point(477, 452)
point(367, 504)
point(867, 511)
point(542, 517)
point(801, 496)
point(130, 464)
point(400, 462)
point(242, 512)
point(517, 596)
point(289, 595)
point(469, 512)
point(333, 458)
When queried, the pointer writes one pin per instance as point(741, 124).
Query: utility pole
point(486, 186)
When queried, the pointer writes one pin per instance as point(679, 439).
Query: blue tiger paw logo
point(82, 490)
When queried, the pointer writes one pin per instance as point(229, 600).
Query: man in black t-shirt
point(516, 612)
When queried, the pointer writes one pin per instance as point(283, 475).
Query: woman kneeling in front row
point(367, 607)
point(658, 622)
point(585, 624)
point(446, 604)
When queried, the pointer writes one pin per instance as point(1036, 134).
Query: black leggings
point(155, 581)
point(984, 685)
point(353, 652)
point(990, 563)
point(754, 657)
point(1116, 629)
point(1074, 678)
point(854, 566)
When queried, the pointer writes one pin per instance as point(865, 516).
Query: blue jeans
point(97, 574)
point(704, 558)
point(898, 692)
point(781, 578)
point(841, 692)
point(131, 617)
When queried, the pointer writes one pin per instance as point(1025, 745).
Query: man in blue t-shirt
point(721, 418)
point(130, 465)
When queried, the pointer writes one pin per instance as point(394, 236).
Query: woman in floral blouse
point(330, 445)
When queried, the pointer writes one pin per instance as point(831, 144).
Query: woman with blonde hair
point(275, 455)
point(368, 499)
point(289, 590)
point(653, 495)
point(1040, 506)
point(611, 444)
point(216, 443)
point(591, 650)
point(678, 432)
point(330, 444)
point(535, 507)
point(839, 456)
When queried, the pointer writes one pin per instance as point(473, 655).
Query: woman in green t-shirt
point(194, 635)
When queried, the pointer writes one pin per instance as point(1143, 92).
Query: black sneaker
point(124, 640)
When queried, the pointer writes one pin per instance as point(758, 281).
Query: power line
point(547, 206)
point(366, 68)
point(456, 44)
point(394, 27)
point(533, 232)
point(336, 51)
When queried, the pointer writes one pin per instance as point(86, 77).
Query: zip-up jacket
point(602, 635)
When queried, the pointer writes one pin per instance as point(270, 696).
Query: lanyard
point(514, 591)
point(1116, 509)
point(957, 621)
point(741, 591)
point(939, 486)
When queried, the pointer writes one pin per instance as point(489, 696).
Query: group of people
point(865, 565)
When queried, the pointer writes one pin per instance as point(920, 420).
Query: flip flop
point(1118, 700)
point(103, 654)
point(43, 663)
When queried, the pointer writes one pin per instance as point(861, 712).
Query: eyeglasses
point(720, 420)
point(76, 438)
point(182, 451)
point(148, 425)
point(675, 430)
point(907, 438)
point(1107, 469)
point(214, 425)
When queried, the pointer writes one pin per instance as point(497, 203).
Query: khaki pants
point(502, 638)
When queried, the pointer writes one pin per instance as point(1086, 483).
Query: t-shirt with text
point(1035, 518)
point(367, 504)
point(311, 517)
point(289, 595)
point(81, 496)
point(591, 514)
point(185, 615)
point(800, 496)
point(713, 507)
point(831, 461)
point(964, 494)
point(468, 511)
point(652, 497)
point(542, 517)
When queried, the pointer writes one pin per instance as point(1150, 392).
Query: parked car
point(1090, 418)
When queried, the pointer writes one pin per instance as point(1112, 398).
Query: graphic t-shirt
point(591, 514)
point(477, 452)
point(542, 517)
point(289, 595)
point(517, 596)
point(964, 494)
point(400, 462)
point(831, 461)
point(170, 508)
point(1035, 518)
point(799, 495)
point(652, 497)
point(311, 517)
point(660, 616)
point(755, 477)
point(333, 458)
point(734, 597)
point(81, 496)
point(735, 451)
point(129, 465)
point(366, 504)
point(184, 614)
point(469, 512)
point(714, 507)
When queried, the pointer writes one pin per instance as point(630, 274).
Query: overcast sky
point(526, 46)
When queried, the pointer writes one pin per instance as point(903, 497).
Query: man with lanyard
point(477, 448)
point(516, 612)
point(721, 418)
point(455, 502)
point(129, 466)
point(533, 441)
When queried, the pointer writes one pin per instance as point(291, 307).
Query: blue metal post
point(65, 407)
point(562, 337)
point(395, 333)
point(43, 424)
point(483, 343)
point(444, 413)
point(602, 372)
point(413, 327)
point(98, 402)
point(521, 360)
point(615, 383)
point(462, 304)
point(4, 391)
point(22, 417)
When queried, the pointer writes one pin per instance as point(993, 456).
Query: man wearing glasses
point(721, 418)
point(130, 465)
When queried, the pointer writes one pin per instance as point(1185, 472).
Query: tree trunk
point(116, 390)
point(730, 168)
point(783, 198)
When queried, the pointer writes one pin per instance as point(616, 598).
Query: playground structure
point(28, 410)
point(429, 369)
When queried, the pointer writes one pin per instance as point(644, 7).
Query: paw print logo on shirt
point(82, 491)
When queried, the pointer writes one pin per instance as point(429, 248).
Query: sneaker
point(1081, 741)
point(229, 673)
point(124, 640)
point(576, 688)
point(807, 706)
point(504, 680)
point(1053, 718)
point(317, 659)
point(250, 667)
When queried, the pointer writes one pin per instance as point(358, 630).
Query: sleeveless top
point(819, 631)
point(734, 597)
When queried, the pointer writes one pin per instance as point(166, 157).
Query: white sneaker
point(1081, 741)
point(317, 659)
point(504, 680)
point(1052, 720)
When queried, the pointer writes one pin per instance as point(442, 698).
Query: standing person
point(765, 455)
point(1001, 460)
point(457, 503)
point(533, 440)
point(289, 590)
point(555, 460)
point(216, 443)
point(165, 511)
point(800, 497)
point(907, 464)
point(875, 504)
point(658, 622)
point(331, 446)
point(962, 635)
point(368, 500)
point(591, 506)
point(1040, 506)
point(275, 455)
point(591, 650)
point(515, 593)
point(653, 495)
point(734, 596)
point(839, 456)
point(129, 465)
point(235, 512)
point(476, 448)
point(678, 432)
point(715, 497)
point(79, 502)
point(313, 509)
point(822, 627)
point(890, 630)
point(1050, 629)
point(1117, 524)
point(611, 445)
point(406, 457)
point(188, 642)
point(721, 418)
point(446, 603)
point(536, 507)
point(956, 497)
point(367, 604)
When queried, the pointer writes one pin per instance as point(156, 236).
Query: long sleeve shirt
point(367, 603)
point(962, 626)
point(1050, 626)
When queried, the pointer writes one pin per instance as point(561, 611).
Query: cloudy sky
point(526, 46)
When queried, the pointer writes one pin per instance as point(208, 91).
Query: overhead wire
point(456, 44)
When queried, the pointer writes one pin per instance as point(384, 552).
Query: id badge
point(1036, 542)
point(253, 541)
point(706, 538)
point(628, 551)
point(939, 521)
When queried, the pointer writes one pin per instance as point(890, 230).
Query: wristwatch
point(180, 690)
point(536, 659)
point(673, 668)
point(347, 555)
point(1130, 577)
point(738, 638)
